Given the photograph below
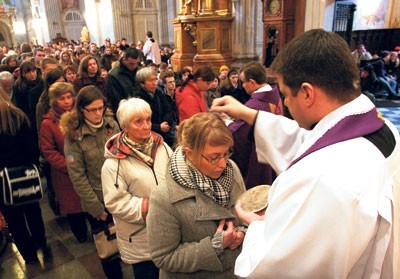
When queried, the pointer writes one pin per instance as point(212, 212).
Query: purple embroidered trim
point(350, 127)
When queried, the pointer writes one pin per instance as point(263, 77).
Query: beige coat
point(135, 181)
point(181, 224)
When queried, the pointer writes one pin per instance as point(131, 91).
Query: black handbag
point(21, 185)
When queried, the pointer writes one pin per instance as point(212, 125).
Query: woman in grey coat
point(192, 227)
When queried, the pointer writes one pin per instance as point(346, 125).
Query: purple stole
point(350, 127)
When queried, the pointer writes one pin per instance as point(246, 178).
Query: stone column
point(162, 22)
point(315, 12)
point(206, 7)
point(123, 24)
point(245, 32)
point(54, 19)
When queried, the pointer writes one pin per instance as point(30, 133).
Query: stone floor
point(70, 259)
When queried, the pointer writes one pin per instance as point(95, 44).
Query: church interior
point(201, 32)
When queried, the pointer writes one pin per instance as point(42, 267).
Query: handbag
point(21, 185)
point(106, 242)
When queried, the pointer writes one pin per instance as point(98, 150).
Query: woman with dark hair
point(89, 74)
point(25, 222)
point(183, 76)
point(12, 63)
point(62, 99)
point(192, 228)
point(87, 128)
point(189, 96)
point(66, 59)
point(234, 87)
point(70, 73)
point(27, 90)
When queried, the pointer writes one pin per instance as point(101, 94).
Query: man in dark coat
point(121, 79)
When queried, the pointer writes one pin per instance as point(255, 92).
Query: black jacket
point(161, 111)
point(121, 84)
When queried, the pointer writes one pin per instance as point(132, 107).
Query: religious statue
point(85, 35)
point(189, 7)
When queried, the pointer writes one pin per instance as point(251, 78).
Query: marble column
point(315, 14)
point(53, 18)
point(123, 23)
point(245, 32)
point(163, 23)
point(171, 14)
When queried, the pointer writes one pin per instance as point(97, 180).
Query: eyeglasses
point(214, 161)
point(94, 110)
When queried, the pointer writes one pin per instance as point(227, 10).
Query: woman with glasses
point(136, 163)
point(87, 128)
point(192, 227)
point(189, 96)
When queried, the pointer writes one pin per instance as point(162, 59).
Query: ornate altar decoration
point(203, 34)
point(85, 35)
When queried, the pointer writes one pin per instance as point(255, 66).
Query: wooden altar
point(203, 34)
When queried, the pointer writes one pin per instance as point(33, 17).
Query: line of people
point(173, 196)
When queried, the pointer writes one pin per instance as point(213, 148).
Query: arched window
point(73, 16)
point(144, 4)
point(1, 37)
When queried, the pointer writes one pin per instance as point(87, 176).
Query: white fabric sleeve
point(278, 140)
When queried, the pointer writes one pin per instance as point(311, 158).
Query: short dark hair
point(48, 61)
point(166, 75)
point(204, 72)
point(255, 71)
point(130, 53)
point(384, 54)
point(320, 58)
point(149, 34)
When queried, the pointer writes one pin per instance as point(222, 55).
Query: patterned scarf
point(185, 174)
point(143, 151)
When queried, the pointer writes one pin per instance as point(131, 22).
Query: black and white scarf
point(185, 174)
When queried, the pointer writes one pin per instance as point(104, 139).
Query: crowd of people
point(379, 71)
point(121, 138)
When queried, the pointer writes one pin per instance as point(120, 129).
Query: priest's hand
point(247, 216)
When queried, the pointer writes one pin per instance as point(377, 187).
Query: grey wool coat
point(180, 225)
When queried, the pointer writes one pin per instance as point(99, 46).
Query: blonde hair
point(59, 88)
point(130, 108)
point(11, 117)
point(201, 129)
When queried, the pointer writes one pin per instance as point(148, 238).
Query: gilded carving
point(192, 29)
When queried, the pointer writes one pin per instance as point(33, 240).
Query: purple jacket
point(244, 150)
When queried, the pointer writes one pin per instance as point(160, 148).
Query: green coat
point(85, 158)
point(180, 225)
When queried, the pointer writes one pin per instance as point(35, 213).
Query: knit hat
point(223, 67)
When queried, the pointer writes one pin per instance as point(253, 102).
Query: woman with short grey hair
point(136, 162)
point(162, 118)
point(145, 73)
